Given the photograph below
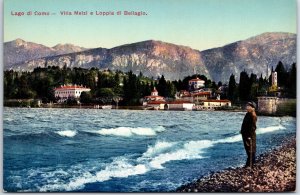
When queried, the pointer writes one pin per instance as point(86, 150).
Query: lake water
point(58, 150)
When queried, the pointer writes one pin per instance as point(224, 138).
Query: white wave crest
point(67, 133)
point(159, 147)
point(189, 150)
point(237, 138)
point(269, 129)
point(130, 131)
point(153, 158)
point(232, 139)
point(119, 168)
point(75, 183)
point(122, 167)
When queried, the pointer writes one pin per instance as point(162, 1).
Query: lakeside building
point(277, 106)
point(267, 104)
point(156, 105)
point(154, 99)
point(197, 98)
point(65, 92)
point(212, 104)
point(194, 96)
point(179, 105)
point(196, 84)
point(200, 96)
point(274, 89)
point(274, 78)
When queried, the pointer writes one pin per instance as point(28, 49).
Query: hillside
point(156, 58)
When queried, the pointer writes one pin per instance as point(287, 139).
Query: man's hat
point(252, 104)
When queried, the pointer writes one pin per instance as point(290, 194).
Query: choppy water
point(124, 151)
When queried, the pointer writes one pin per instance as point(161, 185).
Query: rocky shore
point(274, 171)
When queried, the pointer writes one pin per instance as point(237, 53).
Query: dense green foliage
point(128, 88)
point(106, 86)
point(250, 87)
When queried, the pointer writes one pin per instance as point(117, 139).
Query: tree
point(244, 86)
point(281, 74)
point(146, 89)
point(292, 81)
point(10, 87)
point(253, 86)
point(130, 88)
point(105, 92)
point(171, 89)
point(85, 97)
point(162, 87)
point(214, 85)
point(232, 88)
point(220, 84)
point(25, 91)
point(179, 85)
point(262, 85)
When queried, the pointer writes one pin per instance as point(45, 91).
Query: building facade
point(267, 105)
point(274, 78)
point(179, 105)
point(153, 99)
point(65, 92)
point(196, 84)
point(212, 104)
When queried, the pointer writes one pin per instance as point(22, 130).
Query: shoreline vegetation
point(274, 171)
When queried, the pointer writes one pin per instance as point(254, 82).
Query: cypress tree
point(244, 86)
point(232, 88)
point(281, 74)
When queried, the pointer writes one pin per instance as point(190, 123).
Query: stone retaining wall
point(276, 106)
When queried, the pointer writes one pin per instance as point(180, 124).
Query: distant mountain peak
point(155, 58)
point(270, 36)
point(64, 45)
point(68, 48)
point(19, 42)
point(58, 45)
point(19, 50)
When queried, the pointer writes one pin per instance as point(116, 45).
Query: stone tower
point(274, 78)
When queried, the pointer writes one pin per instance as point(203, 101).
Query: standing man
point(248, 133)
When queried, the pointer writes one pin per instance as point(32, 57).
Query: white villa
point(196, 83)
point(69, 91)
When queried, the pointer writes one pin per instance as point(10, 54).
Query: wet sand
point(274, 171)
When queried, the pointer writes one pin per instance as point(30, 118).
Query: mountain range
point(156, 58)
point(20, 51)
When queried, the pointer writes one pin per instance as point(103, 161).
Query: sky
point(199, 24)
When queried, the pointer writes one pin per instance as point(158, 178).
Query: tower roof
point(154, 90)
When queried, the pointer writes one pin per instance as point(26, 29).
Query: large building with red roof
point(69, 91)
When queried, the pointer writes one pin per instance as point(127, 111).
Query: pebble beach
point(274, 171)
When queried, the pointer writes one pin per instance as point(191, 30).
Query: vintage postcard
point(149, 96)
